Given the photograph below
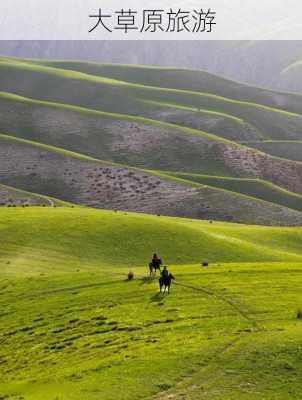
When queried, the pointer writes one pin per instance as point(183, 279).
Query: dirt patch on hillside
point(107, 186)
point(251, 163)
point(10, 198)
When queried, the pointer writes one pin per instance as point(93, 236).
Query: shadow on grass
point(148, 280)
point(157, 298)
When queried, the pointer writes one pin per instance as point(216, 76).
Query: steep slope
point(87, 181)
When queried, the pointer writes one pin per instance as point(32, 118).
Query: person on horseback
point(165, 280)
point(164, 273)
point(155, 264)
point(156, 261)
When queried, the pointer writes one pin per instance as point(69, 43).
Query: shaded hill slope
point(290, 149)
point(103, 93)
point(251, 187)
point(12, 197)
point(185, 79)
point(259, 62)
point(87, 181)
point(154, 128)
point(135, 141)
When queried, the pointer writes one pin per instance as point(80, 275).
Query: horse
point(153, 267)
point(166, 282)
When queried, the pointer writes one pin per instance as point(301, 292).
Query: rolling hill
point(156, 121)
point(84, 180)
point(268, 63)
point(183, 79)
point(290, 149)
point(12, 197)
point(290, 77)
point(249, 187)
point(73, 327)
point(109, 239)
point(103, 165)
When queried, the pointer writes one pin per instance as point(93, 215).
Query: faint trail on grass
point(169, 395)
point(222, 298)
point(207, 291)
point(70, 288)
point(212, 293)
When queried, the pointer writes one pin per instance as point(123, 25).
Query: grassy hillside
point(114, 137)
point(259, 62)
point(185, 79)
point(12, 197)
point(72, 327)
point(141, 142)
point(84, 180)
point(149, 127)
point(251, 187)
point(292, 150)
point(117, 239)
point(97, 92)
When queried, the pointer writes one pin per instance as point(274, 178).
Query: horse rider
point(164, 273)
point(165, 279)
point(156, 261)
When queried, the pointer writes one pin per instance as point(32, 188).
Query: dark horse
point(166, 282)
point(154, 266)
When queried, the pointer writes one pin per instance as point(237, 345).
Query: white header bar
point(157, 20)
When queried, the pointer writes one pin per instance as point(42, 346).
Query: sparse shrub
point(205, 263)
point(130, 276)
point(299, 314)
point(164, 386)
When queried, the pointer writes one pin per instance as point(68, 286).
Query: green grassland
point(160, 141)
point(72, 327)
